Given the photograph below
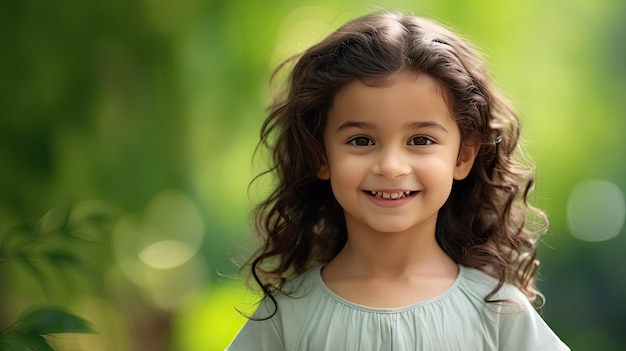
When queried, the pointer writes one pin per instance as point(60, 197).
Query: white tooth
point(392, 196)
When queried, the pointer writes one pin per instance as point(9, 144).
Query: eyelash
point(427, 141)
point(353, 141)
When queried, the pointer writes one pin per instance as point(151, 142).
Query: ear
point(465, 160)
point(323, 172)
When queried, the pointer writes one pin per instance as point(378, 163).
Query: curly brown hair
point(484, 222)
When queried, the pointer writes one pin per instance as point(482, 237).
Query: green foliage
point(53, 243)
point(50, 245)
point(31, 328)
point(121, 100)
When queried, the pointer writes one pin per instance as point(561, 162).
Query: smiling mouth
point(390, 196)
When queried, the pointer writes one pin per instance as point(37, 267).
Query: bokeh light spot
point(166, 254)
point(596, 210)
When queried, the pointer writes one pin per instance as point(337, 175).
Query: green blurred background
point(138, 119)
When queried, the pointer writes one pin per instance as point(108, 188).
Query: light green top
point(315, 318)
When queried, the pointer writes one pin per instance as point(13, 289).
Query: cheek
point(349, 169)
point(345, 174)
point(436, 163)
point(436, 171)
point(343, 171)
point(337, 158)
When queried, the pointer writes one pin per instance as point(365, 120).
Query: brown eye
point(420, 141)
point(361, 141)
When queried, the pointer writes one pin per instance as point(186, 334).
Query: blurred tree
point(153, 107)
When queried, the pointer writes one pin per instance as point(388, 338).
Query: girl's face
point(392, 152)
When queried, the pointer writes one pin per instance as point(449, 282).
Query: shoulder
point(518, 325)
point(507, 303)
point(479, 285)
point(303, 283)
point(293, 296)
point(270, 323)
point(483, 284)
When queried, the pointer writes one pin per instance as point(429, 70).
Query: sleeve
point(525, 330)
point(261, 335)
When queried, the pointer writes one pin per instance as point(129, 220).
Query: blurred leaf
point(37, 343)
point(29, 331)
point(62, 259)
point(99, 219)
point(23, 341)
point(13, 235)
point(41, 278)
point(55, 220)
point(79, 238)
point(50, 320)
point(12, 342)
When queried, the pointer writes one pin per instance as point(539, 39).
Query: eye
point(361, 141)
point(420, 140)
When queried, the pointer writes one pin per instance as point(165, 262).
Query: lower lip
point(389, 203)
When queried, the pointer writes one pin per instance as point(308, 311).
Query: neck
point(392, 255)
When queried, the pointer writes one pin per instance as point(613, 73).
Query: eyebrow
point(414, 125)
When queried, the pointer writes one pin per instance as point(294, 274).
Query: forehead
point(401, 96)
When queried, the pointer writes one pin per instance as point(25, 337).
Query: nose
point(391, 163)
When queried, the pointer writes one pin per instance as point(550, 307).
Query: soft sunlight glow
point(300, 29)
point(214, 309)
point(158, 248)
point(167, 254)
point(596, 210)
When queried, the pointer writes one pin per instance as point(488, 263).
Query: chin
point(392, 228)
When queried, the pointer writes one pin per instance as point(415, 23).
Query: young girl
point(399, 221)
